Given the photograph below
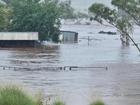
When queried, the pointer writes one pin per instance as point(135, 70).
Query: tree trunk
point(136, 45)
point(125, 40)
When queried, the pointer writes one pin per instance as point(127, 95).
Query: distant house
point(18, 39)
point(68, 37)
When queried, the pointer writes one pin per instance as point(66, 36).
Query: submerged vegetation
point(33, 16)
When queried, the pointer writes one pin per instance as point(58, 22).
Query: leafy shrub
point(12, 95)
point(58, 103)
point(98, 103)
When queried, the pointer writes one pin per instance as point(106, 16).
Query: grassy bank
point(12, 95)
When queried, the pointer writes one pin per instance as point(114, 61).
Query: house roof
point(69, 32)
point(19, 36)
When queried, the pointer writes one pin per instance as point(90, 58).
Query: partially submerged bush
point(12, 95)
point(99, 102)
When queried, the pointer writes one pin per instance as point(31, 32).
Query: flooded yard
point(119, 85)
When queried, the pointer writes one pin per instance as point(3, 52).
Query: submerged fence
point(53, 68)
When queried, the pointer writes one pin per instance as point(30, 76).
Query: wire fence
point(53, 68)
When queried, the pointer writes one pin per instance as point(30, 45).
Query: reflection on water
point(124, 54)
point(119, 85)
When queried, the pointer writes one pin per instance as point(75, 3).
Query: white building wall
point(19, 36)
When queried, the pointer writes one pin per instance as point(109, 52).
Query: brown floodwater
point(119, 85)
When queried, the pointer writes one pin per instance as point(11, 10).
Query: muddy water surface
point(119, 85)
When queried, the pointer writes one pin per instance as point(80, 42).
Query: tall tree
point(38, 16)
point(122, 24)
point(130, 7)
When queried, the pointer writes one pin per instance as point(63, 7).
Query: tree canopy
point(42, 16)
point(32, 16)
point(36, 16)
point(122, 22)
point(130, 7)
point(5, 13)
point(67, 10)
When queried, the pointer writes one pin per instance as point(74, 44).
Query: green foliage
point(67, 12)
point(58, 103)
point(97, 103)
point(122, 23)
point(36, 16)
point(101, 12)
point(124, 26)
point(130, 7)
point(12, 95)
point(5, 13)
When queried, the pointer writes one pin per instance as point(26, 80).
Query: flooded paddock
point(118, 85)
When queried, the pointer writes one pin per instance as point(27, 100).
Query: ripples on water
point(118, 86)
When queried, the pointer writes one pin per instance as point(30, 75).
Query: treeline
point(41, 16)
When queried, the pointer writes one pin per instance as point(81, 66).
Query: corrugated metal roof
point(19, 36)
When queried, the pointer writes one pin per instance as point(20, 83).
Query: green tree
point(130, 7)
point(122, 23)
point(36, 16)
point(5, 14)
point(67, 11)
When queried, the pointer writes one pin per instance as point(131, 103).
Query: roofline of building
point(69, 31)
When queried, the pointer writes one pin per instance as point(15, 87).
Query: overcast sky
point(84, 4)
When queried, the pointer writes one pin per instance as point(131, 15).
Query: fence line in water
point(54, 68)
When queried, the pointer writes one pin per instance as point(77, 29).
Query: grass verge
point(99, 102)
point(12, 95)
